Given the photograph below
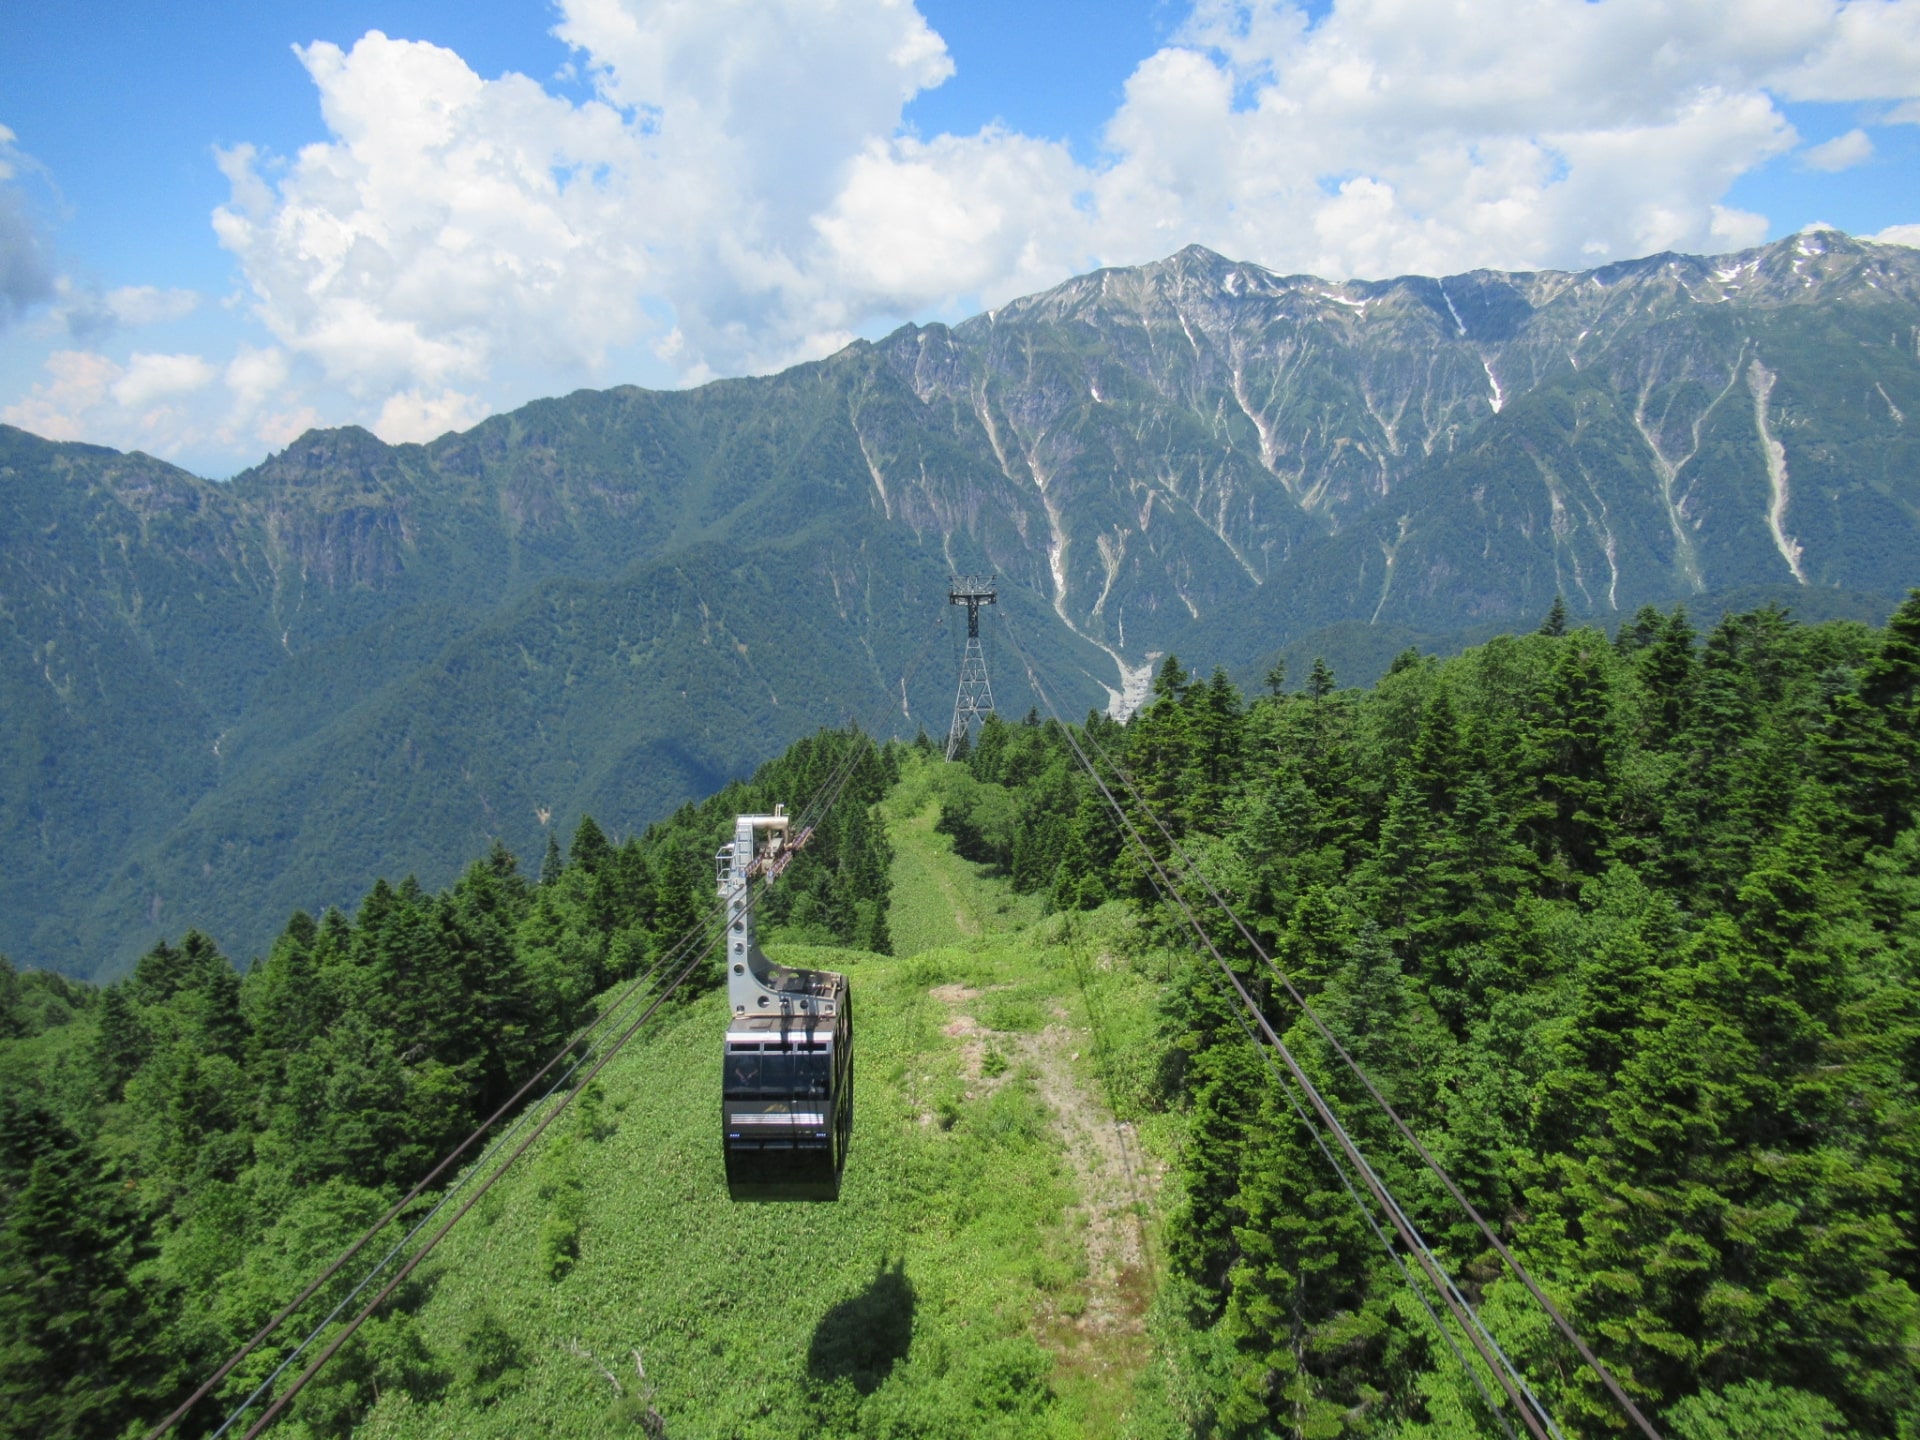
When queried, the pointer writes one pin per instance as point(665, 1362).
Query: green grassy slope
point(987, 1272)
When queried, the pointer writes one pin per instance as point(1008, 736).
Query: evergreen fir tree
point(1212, 765)
point(161, 973)
point(1555, 624)
point(1223, 1080)
point(1307, 1341)
point(1668, 669)
point(82, 1346)
point(590, 850)
point(12, 1023)
point(1320, 681)
point(1575, 746)
point(121, 1043)
point(502, 861)
point(1869, 744)
point(1641, 632)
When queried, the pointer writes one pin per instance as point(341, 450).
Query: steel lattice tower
point(975, 697)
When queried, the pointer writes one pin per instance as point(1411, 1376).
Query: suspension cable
point(825, 797)
point(1373, 1224)
point(579, 1039)
point(347, 1332)
point(823, 800)
point(447, 1196)
point(1191, 866)
point(1531, 1412)
point(827, 792)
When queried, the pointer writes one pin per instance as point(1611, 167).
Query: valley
point(1501, 929)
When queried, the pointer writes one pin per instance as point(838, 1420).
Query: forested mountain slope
point(228, 700)
point(1627, 929)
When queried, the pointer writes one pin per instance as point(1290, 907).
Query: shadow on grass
point(860, 1340)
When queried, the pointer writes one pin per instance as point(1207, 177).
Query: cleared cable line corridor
point(590, 1043)
point(1252, 1018)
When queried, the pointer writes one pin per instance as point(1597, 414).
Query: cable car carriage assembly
point(786, 1095)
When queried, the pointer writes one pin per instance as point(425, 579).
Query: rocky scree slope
point(1197, 444)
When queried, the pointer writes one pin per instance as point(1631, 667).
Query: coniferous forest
point(1626, 927)
point(185, 1149)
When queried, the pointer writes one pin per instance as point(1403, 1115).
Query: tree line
point(1627, 928)
point(182, 1150)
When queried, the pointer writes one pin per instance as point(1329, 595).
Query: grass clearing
point(986, 1273)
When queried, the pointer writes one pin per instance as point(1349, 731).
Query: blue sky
point(124, 104)
point(681, 190)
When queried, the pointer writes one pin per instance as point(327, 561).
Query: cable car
point(786, 1094)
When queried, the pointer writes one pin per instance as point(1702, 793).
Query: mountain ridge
point(1195, 454)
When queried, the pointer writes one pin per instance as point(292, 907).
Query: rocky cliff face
point(228, 700)
point(1198, 436)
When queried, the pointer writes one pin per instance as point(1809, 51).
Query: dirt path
point(1117, 1181)
point(1096, 1329)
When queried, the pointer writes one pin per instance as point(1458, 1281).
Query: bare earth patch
point(1118, 1184)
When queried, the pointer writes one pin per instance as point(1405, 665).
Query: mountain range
point(227, 700)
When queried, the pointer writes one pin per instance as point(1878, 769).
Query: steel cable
point(1191, 867)
point(447, 1196)
point(347, 1332)
point(578, 1039)
point(1346, 1181)
point(1518, 1392)
point(826, 796)
point(823, 800)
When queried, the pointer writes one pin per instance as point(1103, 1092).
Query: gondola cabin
point(786, 1095)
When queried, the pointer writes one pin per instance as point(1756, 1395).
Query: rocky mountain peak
point(613, 600)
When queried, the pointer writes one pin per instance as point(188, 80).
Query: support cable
point(1373, 1224)
point(701, 928)
point(1538, 1422)
point(823, 800)
point(1190, 866)
point(447, 1196)
point(578, 1039)
point(287, 1396)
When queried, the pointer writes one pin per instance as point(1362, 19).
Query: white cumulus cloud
point(740, 191)
point(1843, 152)
point(60, 406)
point(148, 378)
point(417, 416)
point(449, 220)
point(145, 404)
point(261, 405)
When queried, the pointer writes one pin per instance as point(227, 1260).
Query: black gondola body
point(786, 1097)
